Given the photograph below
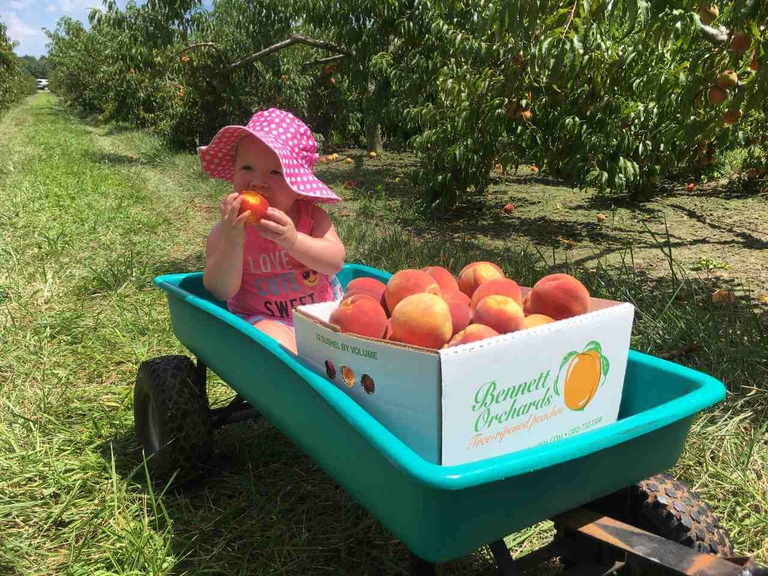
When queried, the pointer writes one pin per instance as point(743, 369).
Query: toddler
point(292, 256)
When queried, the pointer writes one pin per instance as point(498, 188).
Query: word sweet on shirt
point(290, 284)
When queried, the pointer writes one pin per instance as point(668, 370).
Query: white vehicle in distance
point(42, 84)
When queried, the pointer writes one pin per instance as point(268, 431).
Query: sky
point(25, 20)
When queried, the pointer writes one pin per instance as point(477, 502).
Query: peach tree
point(15, 81)
point(611, 95)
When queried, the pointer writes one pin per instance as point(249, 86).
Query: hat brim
point(218, 161)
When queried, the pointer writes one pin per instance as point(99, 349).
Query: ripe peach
point(727, 80)
point(498, 286)
point(732, 117)
point(366, 285)
point(600, 217)
point(536, 320)
point(360, 314)
point(371, 155)
point(740, 43)
point(256, 203)
point(501, 313)
point(442, 276)
point(422, 320)
point(717, 95)
point(509, 208)
point(476, 274)
point(407, 282)
point(472, 333)
point(558, 296)
point(461, 313)
point(723, 296)
point(708, 13)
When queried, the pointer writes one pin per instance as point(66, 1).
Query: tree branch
point(716, 36)
point(292, 39)
point(201, 45)
point(684, 351)
point(327, 60)
point(570, 18)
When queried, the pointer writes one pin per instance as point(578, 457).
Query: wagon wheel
point(667, 507)
point(171, 417)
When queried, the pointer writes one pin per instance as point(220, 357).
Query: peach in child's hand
point(256, 203)
point(360, 314)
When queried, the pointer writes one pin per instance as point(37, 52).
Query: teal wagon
point(609, 475)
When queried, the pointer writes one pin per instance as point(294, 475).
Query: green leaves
point(567, 358)
point(610, 94)
point(15, 82)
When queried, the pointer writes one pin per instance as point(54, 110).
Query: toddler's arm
point(224, 251)
point(322, 251)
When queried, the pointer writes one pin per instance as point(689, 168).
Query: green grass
point(91, 213)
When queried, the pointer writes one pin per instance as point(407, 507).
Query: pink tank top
point(274, 283)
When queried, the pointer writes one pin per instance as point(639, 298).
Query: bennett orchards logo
point(585, 372)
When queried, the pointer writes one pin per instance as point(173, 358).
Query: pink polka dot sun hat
point(286, 136)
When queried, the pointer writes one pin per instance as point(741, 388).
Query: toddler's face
point(258, 168)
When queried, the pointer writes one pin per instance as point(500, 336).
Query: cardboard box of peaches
point(470, 367)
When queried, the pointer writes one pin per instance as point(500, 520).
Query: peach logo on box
point(582, 374)
point(585, 372)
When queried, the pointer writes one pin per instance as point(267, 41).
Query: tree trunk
point(373, 137)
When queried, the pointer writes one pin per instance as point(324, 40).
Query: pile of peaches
point(433, 309)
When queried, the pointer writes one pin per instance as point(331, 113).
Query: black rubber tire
point(172, 418)
point(668, 508)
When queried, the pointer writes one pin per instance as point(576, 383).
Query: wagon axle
point(590, 544)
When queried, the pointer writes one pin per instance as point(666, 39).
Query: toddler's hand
point(278, 227)
point(232, 224)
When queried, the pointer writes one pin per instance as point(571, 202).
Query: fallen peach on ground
point(500, 287)
point(406, 283)
point(472, 333)
point(501, 313)
point(558, 296)
point(422, 320)
point(360, 314)
point(443, 277)
point(723, 296)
